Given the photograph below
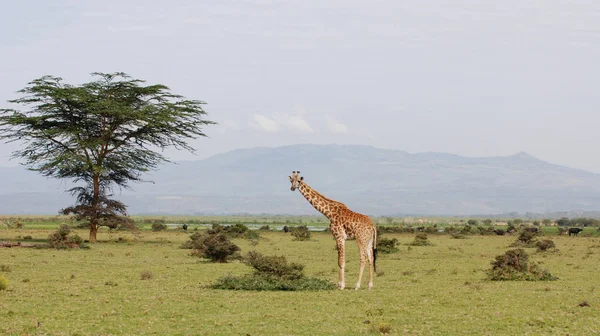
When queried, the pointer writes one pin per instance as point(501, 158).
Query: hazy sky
point(475, 78)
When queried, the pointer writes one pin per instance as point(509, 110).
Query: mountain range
point(369, 180)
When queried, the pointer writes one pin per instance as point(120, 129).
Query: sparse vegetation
point(63, 238)
point(421, 239)
point(272, 273)
point(213, 245)
point(387, 245)
point(514, 265)
point(146, 275)
point(300, 233)
point(157, 227)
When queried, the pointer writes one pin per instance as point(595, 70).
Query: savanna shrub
point(146, 275)
point(3, 282)
point(386, 245)
point(272, 273)
point(562, 230)
point(301, 232)
point(545, 245)
point(420, 240)
point(514, 265)
point(63, 239)
point(276, 266)
point(265, 228)
point(526, 239)
point(215, 246)
point(156, 227)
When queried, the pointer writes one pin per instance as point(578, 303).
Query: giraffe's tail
point(375, 250)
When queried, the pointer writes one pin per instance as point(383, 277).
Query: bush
point(526, 239)
point(3, 282)
point(146, 275)
point(156, 227)
point(545, 245)
point(272, 273)
point(63, 239)
point(420, 240)
point(301, 232)
point(5, 268)
point(386, 246)
point(514, 265)
point(212, 245)
point(264, 228)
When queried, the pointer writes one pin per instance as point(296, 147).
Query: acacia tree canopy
point(103, 133)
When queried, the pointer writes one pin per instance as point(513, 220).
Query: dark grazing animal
point(286, 229)
point(574, 231)
point(500, 232)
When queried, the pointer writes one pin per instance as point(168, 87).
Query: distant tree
point(536, 223)
point(546, 222)
point(472, 222)
point(518, 221)
point(563, 222)
point(100, 134)
point(487, 221)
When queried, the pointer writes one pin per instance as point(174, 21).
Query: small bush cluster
point(63, 239)
point(301, 232)
point(526, 239)
point(272, 273)
point(146, 275)
point(514, 265)
point(156, 227)
point(386, 245)
point(235, 231)
point(212, 245)
point(545, 245)
point(3, 282)
point(420, 240)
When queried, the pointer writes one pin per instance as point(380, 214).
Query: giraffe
point(344, 223)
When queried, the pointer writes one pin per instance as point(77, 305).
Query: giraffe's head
point(296, 180)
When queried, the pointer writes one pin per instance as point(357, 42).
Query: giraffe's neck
point(323, 204)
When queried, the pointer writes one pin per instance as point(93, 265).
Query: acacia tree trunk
point(93, 232)
point(94, 214)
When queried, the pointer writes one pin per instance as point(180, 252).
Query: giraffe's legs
point(341, 260)
point(363, 261)
point(371, 263)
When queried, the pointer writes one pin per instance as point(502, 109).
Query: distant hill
point(367, 179)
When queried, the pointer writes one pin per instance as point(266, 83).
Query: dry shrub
point(213, 245)
point(146, 275)
point(386, 245)
point(63, 239)
point(301, 233)
point(514, 265)
point(272, 273)
point(420, 240)
point(545, 245)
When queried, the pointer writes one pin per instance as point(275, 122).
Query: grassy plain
point(423, 290)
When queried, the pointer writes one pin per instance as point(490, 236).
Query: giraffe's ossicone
point(344, 223)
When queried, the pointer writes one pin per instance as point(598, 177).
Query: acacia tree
point(102, 134)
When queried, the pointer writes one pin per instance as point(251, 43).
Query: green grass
point(422, 290)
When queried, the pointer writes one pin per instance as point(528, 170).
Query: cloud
point(265, 123)
point(296, 123)
point(281, 122)
point(335, 126)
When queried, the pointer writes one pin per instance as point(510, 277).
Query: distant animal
point(344, 224)
point(574, 231)
point(500, 232)
point(185, 227)
point(286, 229)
